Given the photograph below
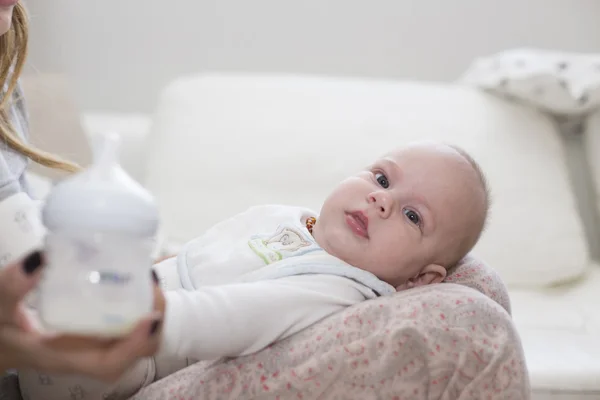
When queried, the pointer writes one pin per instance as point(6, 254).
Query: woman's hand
point(23, 346)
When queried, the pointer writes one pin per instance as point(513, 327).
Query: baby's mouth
point(358, 223)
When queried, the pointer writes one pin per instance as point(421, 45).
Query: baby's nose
point(381, 201)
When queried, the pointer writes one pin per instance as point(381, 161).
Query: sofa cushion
point(220, 144)
point(559, 328)
point(592, 146)
point(567, 87)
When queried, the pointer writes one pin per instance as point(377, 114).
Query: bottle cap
point(102, 198)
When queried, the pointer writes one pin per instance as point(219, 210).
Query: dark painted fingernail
point(154, 277)
point(154, 327)
point(32, 262)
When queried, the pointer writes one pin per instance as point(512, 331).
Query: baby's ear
point(432, 273)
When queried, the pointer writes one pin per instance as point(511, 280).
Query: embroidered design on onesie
point(287, 241)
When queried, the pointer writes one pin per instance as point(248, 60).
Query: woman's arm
point(21, 230)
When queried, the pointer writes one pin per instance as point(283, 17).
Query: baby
point(272, 271)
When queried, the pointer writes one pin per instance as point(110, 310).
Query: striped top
point(13, 164)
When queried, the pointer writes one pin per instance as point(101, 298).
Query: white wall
point(121, 52)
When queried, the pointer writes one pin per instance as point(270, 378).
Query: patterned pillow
point(445, 341)
point(558, 82)
point(477, 275)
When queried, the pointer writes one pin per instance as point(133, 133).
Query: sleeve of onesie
point(238, 319)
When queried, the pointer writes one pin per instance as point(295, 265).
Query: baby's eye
point(412, 216)
point(382, 180)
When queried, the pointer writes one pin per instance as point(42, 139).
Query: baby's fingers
point(159, 305)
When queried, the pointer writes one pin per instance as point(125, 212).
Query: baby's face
point(402, 218)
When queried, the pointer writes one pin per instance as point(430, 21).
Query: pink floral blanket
point(454, 340)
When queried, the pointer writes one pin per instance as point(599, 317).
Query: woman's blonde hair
point(13, 52)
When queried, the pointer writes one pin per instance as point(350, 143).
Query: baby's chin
point(345, 250)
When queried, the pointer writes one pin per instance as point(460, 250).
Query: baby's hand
point(163, 258)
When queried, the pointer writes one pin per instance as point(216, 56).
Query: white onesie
point(248, 282)
point(252, 280)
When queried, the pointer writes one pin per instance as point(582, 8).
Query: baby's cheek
point(387, 261)
point(395, 253)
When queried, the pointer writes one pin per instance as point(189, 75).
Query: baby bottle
point(101, 225)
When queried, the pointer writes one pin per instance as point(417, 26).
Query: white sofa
point(220, 143)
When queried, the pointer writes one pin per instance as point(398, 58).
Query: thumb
point(17, 279)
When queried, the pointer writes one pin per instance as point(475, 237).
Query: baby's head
point(409, 217)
